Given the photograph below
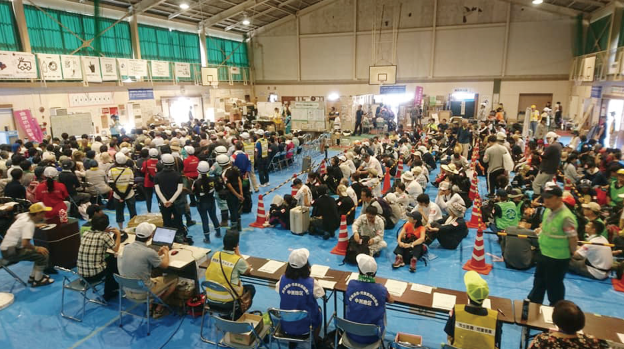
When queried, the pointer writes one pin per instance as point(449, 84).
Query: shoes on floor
point(413, 265)
point(398, 262)
point(190, 223)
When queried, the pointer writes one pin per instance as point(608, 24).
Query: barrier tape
point(524, 236)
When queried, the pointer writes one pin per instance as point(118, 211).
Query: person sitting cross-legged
point(593, 261)
point(410, 242)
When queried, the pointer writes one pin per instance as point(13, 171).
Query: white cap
point(552, 135)
point(299, 258)
point(153, 153)
point(203, 167)
point(501, 136)
point(391, 198)
point(50, 172)
point(189, 150)
point(223, 160)
point(342, 158)
point(245, 135)
point(121, 158)
point(367, 264)
point(168, 159)
point(220, 150)
point(125, 150)
point(444, 186)
point(144, 230)
point(260, 132)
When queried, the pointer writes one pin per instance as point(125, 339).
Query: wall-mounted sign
point(140, 94)
point(183, 70)
point(132, 67)
point(17, 65)
point(109, 69)
point(596, 92)
point(160, 69)
point(91, 68)
point(391, 89)
point(235, 70)
point(90, 99)
point(50, 66)
point(72, 69)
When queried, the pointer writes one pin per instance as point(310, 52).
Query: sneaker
point(413, 265)
point(267, 184)
point(207, 240)
point(190, 223)
point(398, 262)
point(218, 234)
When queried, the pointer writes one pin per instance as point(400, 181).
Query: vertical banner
point(50, 67)
point(71, 67)
point(28, 124)
point(91, 67)
point(418, 95)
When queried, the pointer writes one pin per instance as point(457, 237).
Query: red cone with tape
point(343, 238)
point(323, 169)
point(261, 217)
point(399, 169)
point(477, 262)
point(386, 182)
point(474, 187)
point(476, 221)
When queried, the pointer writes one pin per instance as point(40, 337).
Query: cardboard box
point(407, 340)
point(247, 338)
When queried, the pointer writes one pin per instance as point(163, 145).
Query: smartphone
point(525, 310)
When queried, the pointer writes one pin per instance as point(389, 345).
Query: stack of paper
point(318, 271)
point(329, 285)
point(396, 288)
point(547, 313)
point(443, 301)
point(353, 276)
point(271, 267)
point(422, 288)
point(487, 303)
point(621, 337)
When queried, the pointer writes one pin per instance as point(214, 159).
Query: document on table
point(422, 288)
point(487, 303)
point(621, 337)
point(443, 301)
point(318, 271)
point(396, 288)
point(176, 263)
point(547, 313)
point(353, 276)
point(271, 267)
point(327, 284)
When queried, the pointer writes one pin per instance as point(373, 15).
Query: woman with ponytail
point(52, 193)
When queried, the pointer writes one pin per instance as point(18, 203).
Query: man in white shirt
point(446, 197)
point(304, 194)
point(593, 261)
point(412, 187)
point(344, 167)
point(430, 211)
point(372, 226)
point(369, 162)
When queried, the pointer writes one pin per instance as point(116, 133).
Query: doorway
point(7, 122)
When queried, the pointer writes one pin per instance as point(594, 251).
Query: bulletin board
point(308, 116)
point(267, 109)
point(73, 124)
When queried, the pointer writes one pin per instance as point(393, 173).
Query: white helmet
point(203, 167)
point(153, 153)
point(552, 135)
point(190, 150)
point(220, 150)
point(168, 159)
point(223, 160)
point(50, 172)
point(121, 158)
point(245, 135)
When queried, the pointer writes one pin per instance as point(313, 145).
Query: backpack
point(387, 212)
point(354, 249)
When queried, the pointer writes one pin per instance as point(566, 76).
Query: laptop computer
point(163, 237)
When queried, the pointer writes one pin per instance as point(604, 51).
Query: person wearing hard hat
point(233, 191)
point(534, 117)
point(216, 170)
point(168, 186)
point(121, 180)
point(473, 326)
point(250, 150)
point(204, 190)
point(264, 158)
point(148, 168)
point(551, 158)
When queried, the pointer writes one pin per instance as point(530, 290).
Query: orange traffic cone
point(261, 217)
point(323, 169)
point(618, 285)
point(399, 169)
point(474, 187)
point(477, 262)
point(386, 182)
point(343, 238)
point(475, 220)
point(293, 191)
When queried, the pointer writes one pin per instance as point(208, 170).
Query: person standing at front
point(121, 180)
point(557, 241)
point(168, 186)
point(262, 153)
point(550, 162)
point(233, 190)
point(358, 121)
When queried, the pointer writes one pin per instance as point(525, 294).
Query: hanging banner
point(28, 124)
point(123, 66)
point(235, 70)
point(50, 67)
point(71, 67)
point(392, 89)
point(137, 67)
point(91, 68)
point(109, 69)
point(17, 65)
point(183, 70)
point(160, 69)
point(418, 95)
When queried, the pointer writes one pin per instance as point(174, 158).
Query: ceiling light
point(184, 6)
point(246, 21)
point(333, 97)
point(537, 2)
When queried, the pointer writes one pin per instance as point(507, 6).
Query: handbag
point(244, 301)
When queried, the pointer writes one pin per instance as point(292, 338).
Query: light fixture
point(246, 21)
point(333, 97)
point(184, 5)
point(537, 2)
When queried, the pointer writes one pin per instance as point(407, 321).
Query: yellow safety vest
point(474, 331)
point(214, 274)
point(265, 147)
point(250, 150)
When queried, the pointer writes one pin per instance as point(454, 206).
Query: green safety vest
point(510, 217)
point(614, 193)
point(553, 241)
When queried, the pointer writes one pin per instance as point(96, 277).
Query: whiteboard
point(268, 108)
point(73, 124)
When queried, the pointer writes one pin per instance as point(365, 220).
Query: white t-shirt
point(351, 193)
point(598, 256)
point(22, 228)
point(374, 163)
point(432, 213)
point(303, 193)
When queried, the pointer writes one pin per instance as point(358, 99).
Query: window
point(9, 37)
point(168, 45)
point(223, 53)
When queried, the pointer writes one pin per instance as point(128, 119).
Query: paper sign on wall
point(589, 63)
point(109, 69)
point(91, 68)
point(90, 99)
point(183, 70)
point(160, 69)
point(71, 67)
point(234, 70)
point(137, 67)
point(17, 65)
point(50, 66)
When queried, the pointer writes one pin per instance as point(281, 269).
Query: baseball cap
point(415, 215)
point(299, 258)
point(144, 230)
point(296, 181)
point(476, 288)
point(153, 153)
point(516, 193)
point(50, 172)
point(551, 191)
point(366, 264)
point(594, 206)
point(203, 167)
point(67, 164)
point(168, 159)
point(121, 158)
point(39, 207)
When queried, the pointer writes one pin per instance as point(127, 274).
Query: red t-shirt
point(149, 170)
point(190, 166)
point(410, 232)
point(54, 199)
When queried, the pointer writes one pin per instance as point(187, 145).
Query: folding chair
point(139, 286)
point(4, 264)
point(218, 307)
point(278, 316)
point(82, 286)
point(345, 326)
point(228, 327)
